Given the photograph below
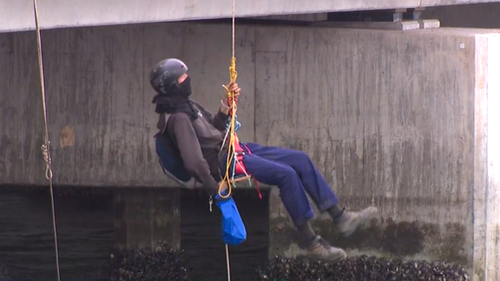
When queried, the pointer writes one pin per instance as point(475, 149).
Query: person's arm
point(220, 119)
point(190, 150)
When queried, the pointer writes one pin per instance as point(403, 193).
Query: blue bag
point(233, 228)
point(170, 159)
point(173, 167)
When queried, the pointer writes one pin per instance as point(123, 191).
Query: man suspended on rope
point(196, 136)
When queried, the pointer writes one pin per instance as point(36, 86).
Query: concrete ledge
point(399, 25)
point(428, 24)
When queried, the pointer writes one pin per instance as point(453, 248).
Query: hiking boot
point(319, 249)
point(350, 221)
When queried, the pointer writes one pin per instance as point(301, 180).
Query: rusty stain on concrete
point(67, 136)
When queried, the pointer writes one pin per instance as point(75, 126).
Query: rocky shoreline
point(165, 264)
point(360, 268)
point(140, 265)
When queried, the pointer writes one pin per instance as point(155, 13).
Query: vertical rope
point(227, 263)
point(232, 75)
point(233, 26)
point(46, 145)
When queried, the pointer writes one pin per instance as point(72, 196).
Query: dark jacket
point(198, 143)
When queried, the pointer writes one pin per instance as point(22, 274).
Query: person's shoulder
point(202, 109)
point(176, 118)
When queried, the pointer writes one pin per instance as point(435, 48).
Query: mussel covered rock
point(360, 268)
point(162, 263)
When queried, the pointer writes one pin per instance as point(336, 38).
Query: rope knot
point(233, 74)
point(48, 160)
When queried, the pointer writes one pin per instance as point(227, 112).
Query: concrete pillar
point(486, 194)
point(402, 120)
point(146, 216)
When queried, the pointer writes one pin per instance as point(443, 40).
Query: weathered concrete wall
point(492, 165)
point(389, 119)
point(486, 161)
point(395, 119)
point(18, 15)
point(484, 15)
point(98, 95)
point(382, 114)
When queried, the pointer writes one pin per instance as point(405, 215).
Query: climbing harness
point(46, 145)
point(235, 168)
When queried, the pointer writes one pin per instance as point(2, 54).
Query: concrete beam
point(146, 217)
point(18, 15)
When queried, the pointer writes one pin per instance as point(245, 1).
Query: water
point(201, 238)
point(86, 236)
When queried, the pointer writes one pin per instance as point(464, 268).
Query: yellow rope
point(233, 75)
point(46, 145)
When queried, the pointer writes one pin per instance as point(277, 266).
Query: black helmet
point(164, 76)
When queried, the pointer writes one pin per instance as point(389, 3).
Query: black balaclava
point(176, 100)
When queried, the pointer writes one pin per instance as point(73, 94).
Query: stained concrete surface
point(396, 119)
point(397, 132)
point(106, 98)
point(487, 155)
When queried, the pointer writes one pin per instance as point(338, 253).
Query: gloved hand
point(231, 87)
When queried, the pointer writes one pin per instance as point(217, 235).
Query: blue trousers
point(295, 175)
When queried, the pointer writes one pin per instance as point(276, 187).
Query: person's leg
point(294, 198)
point(292, 192)
point(315, 185)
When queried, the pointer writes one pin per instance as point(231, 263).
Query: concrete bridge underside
point(18, 15)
